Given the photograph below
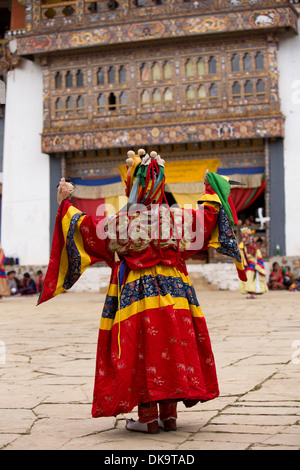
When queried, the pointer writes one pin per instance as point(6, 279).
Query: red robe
point(153, 340)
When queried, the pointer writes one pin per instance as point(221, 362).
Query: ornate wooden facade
point(191, 78)
point(179, 92)
point(153, 72)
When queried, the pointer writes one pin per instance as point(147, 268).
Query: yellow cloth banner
point(183, 171)
point(115, 204)
point(187, 200)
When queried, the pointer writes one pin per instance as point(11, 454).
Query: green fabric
point(222, 188)
point(161, 173)
point(142, 173)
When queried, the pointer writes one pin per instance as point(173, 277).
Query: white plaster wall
point(25, 202)
point(289, 89)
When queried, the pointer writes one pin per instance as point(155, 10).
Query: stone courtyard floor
point(47, 362)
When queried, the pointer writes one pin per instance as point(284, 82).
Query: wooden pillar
point(17, 20)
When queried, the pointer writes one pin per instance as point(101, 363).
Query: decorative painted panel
point(54, 15)
point(82, 33)
point(163, 134)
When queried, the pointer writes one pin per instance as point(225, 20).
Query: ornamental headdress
point(145, 178)
point(247, 231)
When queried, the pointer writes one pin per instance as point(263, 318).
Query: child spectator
point(28, 286)
point(14, 283)
point(40, 281)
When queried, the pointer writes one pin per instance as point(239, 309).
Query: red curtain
point(243, 198)
point(240, 196)
point(89, 206)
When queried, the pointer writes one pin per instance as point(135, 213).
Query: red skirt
point(153, 344)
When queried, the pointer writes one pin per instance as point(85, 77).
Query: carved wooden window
point(112, 102)
point(147, 3)
point(145, 98)
point(235, 63)
point(248, 89)
point(201, 67)
point(68, 10)
point(151, 79)
point(212, 66)
point(167, 71)
point(202, 92)
point(190, 94)
point(189, 68)
point(50, 13)
point(247, 62)
point(111, 75)
point(56, 10)
point(58, 105)
point(112, 4)
point(70, 103)
point(213, 91)
point(236, 91)
point(93, 7)
point(168, 97)
point(69, 79)
point(58, 80)
point(79, 78)
point(101, 103)
point(259, 61)
point(156, 97)
point(123, 100)
point(79, 104)
point(156, 75)
point(100, 76)
point(144, 72)
point(260, 89)
point(122, 74)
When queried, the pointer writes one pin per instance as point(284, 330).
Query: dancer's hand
point(64, 190)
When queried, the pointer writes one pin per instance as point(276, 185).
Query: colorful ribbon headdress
point(145, 177)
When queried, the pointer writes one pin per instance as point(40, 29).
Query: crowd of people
point(253, 248)
point(282, 278)
point(27, 285)
point(11, 285)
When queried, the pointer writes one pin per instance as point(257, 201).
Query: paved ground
point(47, 377)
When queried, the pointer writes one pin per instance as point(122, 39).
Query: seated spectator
point(13, 282)
point(288, 279)
point(40, 281)
point(259, 242)
point(27, 285)
point(4, 287)
point(276, 278)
